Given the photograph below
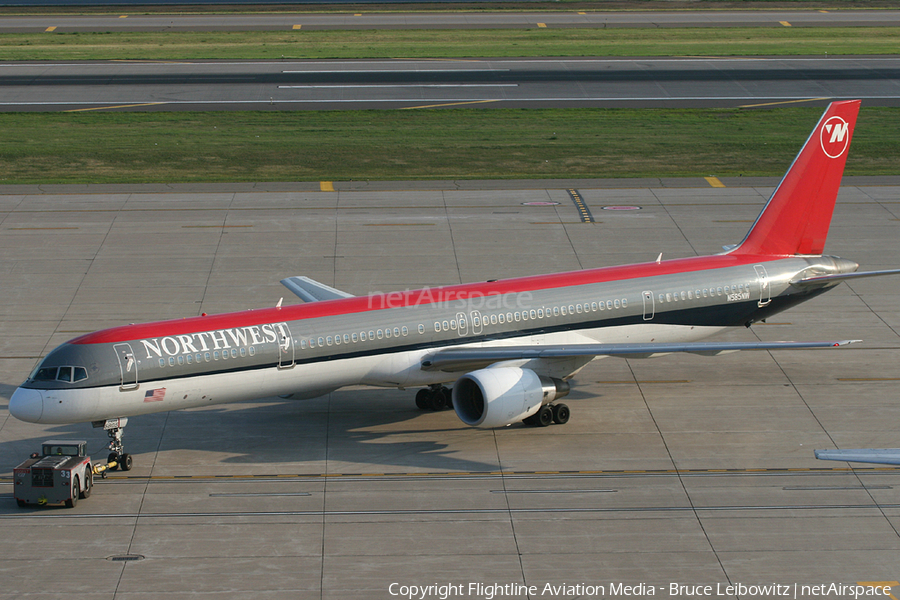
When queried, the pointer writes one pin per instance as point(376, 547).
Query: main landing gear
point(549, 413)
point(117, 458)
point(434, 397)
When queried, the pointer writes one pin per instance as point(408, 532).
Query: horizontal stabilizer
point(881, 456)
point(310, 290)
point(838, 277)
point(465, 359)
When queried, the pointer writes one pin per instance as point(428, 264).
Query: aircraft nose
point(26, 405)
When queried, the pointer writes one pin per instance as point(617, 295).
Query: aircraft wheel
point(561, 414)
point(113, 457)
point(126, 462)
point(436, 401)
point(422, 399)
point(544, 416)
point(446, 395)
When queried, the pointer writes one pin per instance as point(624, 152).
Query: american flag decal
point(155, 395)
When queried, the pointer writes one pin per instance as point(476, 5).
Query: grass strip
point(130, 147)
point(305, 44)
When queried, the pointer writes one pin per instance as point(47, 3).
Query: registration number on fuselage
point(738, 297)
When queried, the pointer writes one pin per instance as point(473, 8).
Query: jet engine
point(503, 395)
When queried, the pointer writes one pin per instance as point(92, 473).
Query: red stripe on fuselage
point(421, 297)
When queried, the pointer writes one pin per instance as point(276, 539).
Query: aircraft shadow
point(348, 431)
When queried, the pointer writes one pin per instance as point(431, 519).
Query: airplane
point(511, 346)
point(879, 456)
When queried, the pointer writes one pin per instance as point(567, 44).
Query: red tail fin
point(797, 216)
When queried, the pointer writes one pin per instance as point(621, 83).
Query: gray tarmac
point(124, 21)
point(476, 83)
point(679, 469)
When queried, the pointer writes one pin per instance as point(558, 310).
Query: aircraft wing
point(881, 456)
point(465, 359)
point(310, 290)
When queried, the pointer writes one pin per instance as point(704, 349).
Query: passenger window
point(252, 350)
point(437, 326)
point(321, 342)
point(578, 308)
point(624, 302)
point(387, 333)
point(494, 320)
point(337, 340)
point(371, 335)
point(404, 331)
point(329, 341)
point(556, 311)
point(509, 317)
point(540, 313)
point(362, 336)
point(162, 362)
point(453, 325)
point(609, 305)
point(190, 359)
point(396, 332)
point(594, 305)
point(347, 338)
point(617, 304)
point(354, 337)
point(379, 333)
point(302, 345)
point(563, 311)
point(215, 356)
point(533, 314)
point(571, 310)
point(421, 328)
point(172, 360)
point(517, 316)
point(180, 360)
point(690, 295)
point(80, 374)
point(243, 352)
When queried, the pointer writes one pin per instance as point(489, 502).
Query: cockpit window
point(64, 374)
point(45, 374)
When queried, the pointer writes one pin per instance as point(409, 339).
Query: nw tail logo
point(834, 137)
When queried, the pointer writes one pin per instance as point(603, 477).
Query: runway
point(485, 83)
point(439, 20)
point(678, 469)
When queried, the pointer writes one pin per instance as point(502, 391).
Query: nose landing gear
point(117, 459)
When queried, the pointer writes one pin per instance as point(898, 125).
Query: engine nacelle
point(503, 395)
